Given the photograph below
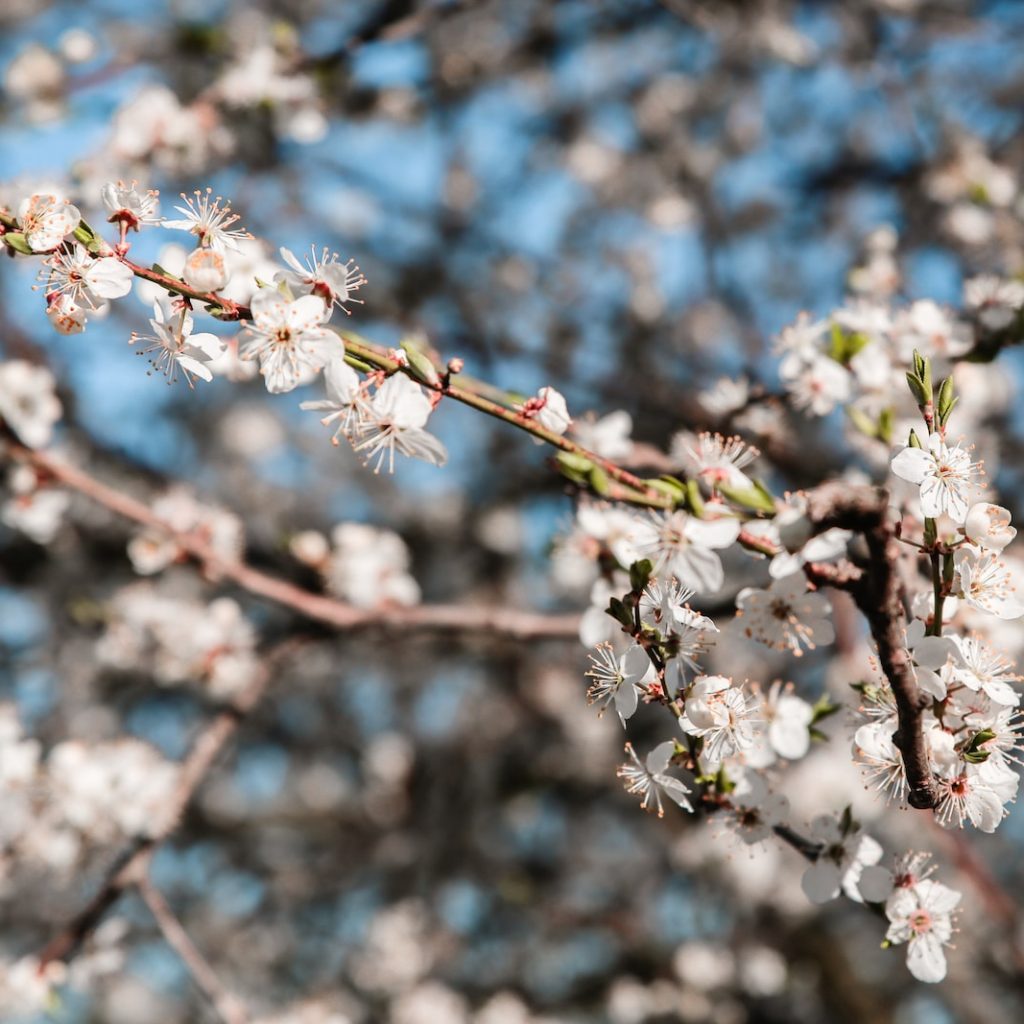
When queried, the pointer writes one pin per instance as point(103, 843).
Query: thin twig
point(129, 866)
point(227, 1005)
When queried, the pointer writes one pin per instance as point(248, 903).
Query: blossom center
point(920, 922)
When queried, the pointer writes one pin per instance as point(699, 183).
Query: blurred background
point(624, 200)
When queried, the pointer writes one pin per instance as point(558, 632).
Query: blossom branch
point(497, 621)
point(621, 484)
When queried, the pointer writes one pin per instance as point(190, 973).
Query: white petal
point(658, 759)
point(635, 664)
point(712, 533)
point(912, 464)
point(925, 959)
point(626, 699)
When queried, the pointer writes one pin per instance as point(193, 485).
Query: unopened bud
point(205, 270)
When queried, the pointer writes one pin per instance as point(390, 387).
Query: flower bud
point(205, 270)
point(988, 526)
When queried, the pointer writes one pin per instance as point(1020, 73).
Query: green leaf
point(572, 460)
point(618, 611)
point(758, 499)
point(16, 240)
point(972, 752)
point(886, 422)
point(862, 421)
point(722, 781)
point(917, 389)
point(420, 365)
point(824, 708)
point(640, 575)
point(668, 486)
point(598, 480)
point(358, 364)
point(694, 500)
point(844, 345)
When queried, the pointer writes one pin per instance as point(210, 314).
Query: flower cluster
point(970, 727)
point(80, 795)
point(363, 565)
point(179, 639)
point(645, 558)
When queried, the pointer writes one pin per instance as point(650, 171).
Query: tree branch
point(498, 621)
point(880, 594)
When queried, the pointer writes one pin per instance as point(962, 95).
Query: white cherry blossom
point(65, 316)
point(47, 220)
point(788, 718)
point(986, 583)
point(945, 475)
point(922, 916)
point(608, 436)
point(549, 410)
point(981, 667)
point(846, 851)
point(722, 715)
point(128, 206)
point(323, 275)
point(346, 400)
point(616, 677)
point(988, 526)
point(648, 779)
point(681, 545)
point(211, 223)
point(172, 346)
point(715, 460)
point(288, 338)
point(974, 792)
point(786, 616)
point(28, 402)
point(818, 386)
point(393, 420)
point(84, 280)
